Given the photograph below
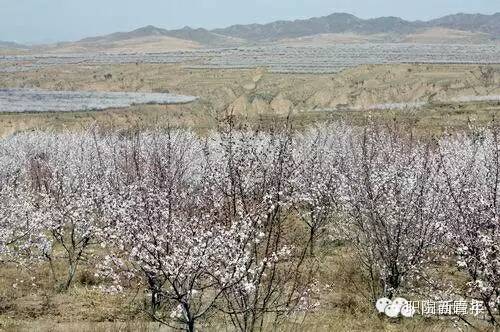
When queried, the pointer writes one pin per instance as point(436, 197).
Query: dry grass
point(345, 305)
point(257, 94)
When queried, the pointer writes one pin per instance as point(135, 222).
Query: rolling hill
point(489, 24)
point(317, 31)
point(152, 43)
point(199, 36)
point(334, 28)
point(334, 23)
point(12, 46)
point(340, 23)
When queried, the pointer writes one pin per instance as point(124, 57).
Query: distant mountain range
point(12, 46)
point(338, 27)
point(347, 23)
point(201, 36)
point(489, 24)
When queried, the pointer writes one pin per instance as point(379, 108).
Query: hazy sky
point(32, 21)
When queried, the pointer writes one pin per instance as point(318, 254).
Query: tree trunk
point(312, 246)
point(191, 325)
point(71, 275)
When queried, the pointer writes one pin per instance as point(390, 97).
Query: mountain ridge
point(334, 23)
point(199, 35)
point(342, 27)
point(348, 23)
point(12, 45)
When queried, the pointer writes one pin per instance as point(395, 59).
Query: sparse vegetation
point(249, 229)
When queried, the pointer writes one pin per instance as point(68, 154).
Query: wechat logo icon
point(395, 308)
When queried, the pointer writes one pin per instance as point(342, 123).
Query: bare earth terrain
point(141, 45)
point(254, 92)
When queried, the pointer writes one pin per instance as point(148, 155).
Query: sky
point(47, 21)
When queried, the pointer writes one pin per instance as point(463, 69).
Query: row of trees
point(229, 224)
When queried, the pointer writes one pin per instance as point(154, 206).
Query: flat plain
point(279, 59)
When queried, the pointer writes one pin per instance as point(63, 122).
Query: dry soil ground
point(258, 94)
point(255, 96)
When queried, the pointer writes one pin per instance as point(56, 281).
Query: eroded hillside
point(260, 92)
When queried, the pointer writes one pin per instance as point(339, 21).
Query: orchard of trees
point(230, 224)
